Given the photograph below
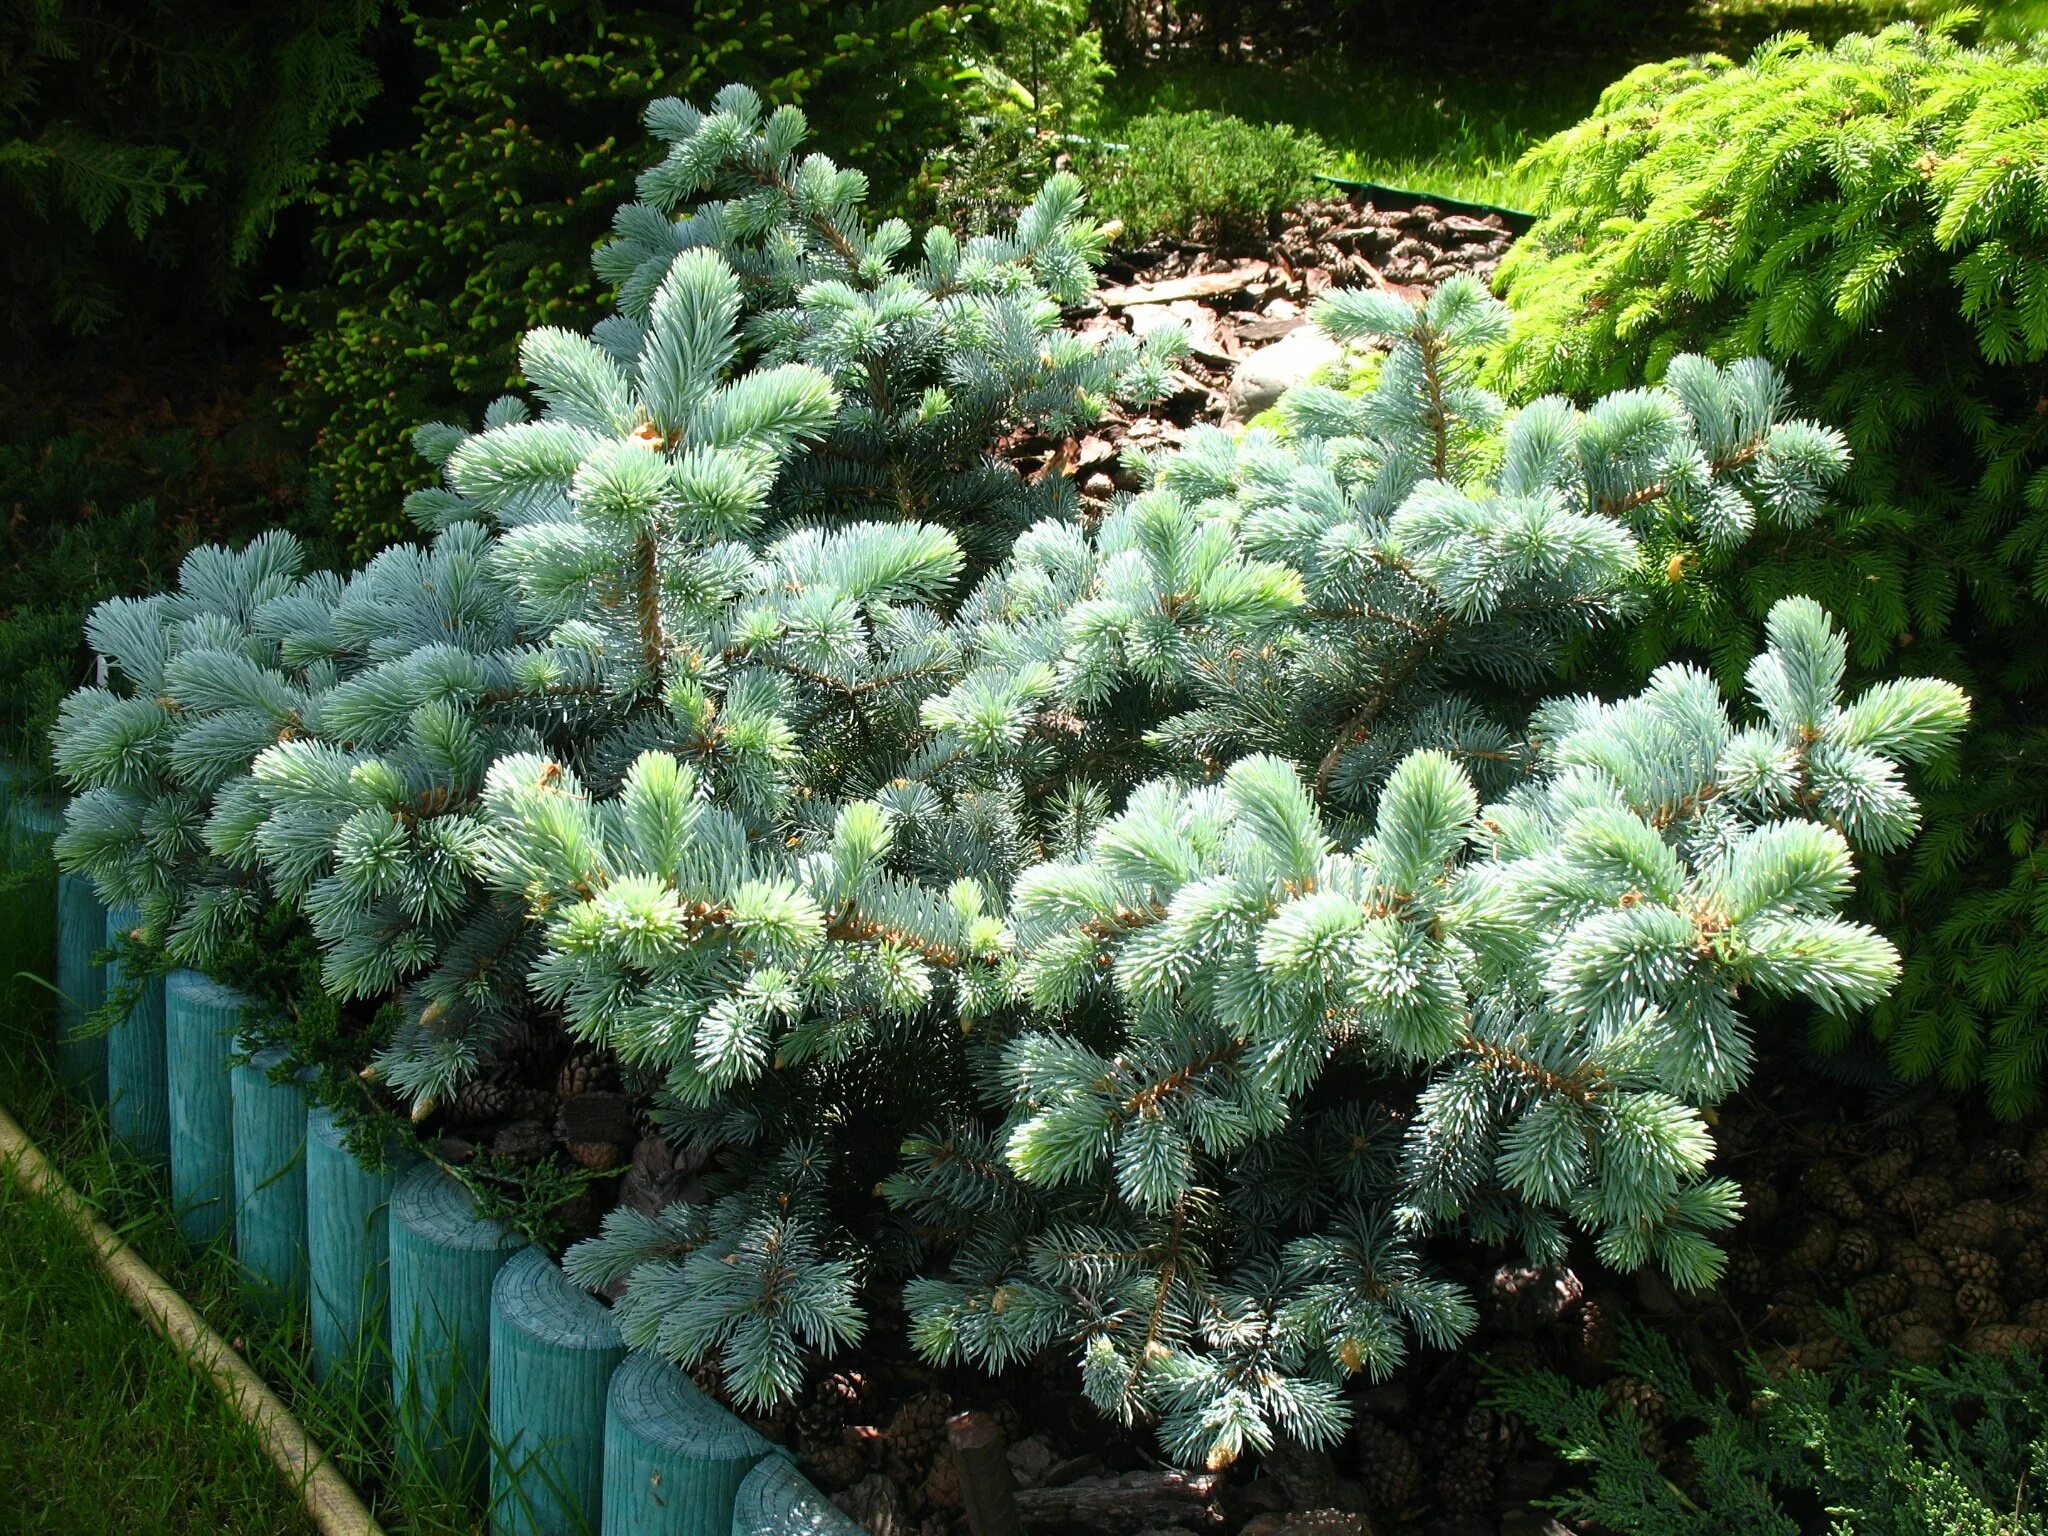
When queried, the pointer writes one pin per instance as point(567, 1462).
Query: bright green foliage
point(1875, 216)
point(114, 116)
point(1885, 1449)
point(1139, 940)
point(1032, 78)
point(1038, 60)
point(437, 257)
point(1206, 175)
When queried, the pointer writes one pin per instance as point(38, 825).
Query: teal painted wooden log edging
point(673, 1459)
point(201, 1018)
point(444, 1258)
point(349, 1253)
point(775, 1500)
point(554, 1347)
point(138, 1078)
point(270, 1186)
point(81, 987)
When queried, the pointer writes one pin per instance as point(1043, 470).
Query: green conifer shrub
point(435, 258)
point(1201, 175)
point(1874, 217)
point(1137, 942)
point(1878, 1447)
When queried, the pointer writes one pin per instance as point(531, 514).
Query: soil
point(1334, 242)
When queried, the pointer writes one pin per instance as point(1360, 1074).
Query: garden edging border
point(329, 1500)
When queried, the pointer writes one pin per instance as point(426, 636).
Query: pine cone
point(918, 1431)
point(1880, 1294)
point(1600, 1329)
point(1921, 1269)
point(819, 1423)
point(2003, 1338)
point(522, 1141)
point(1921, 1344)
point(845, 1390)
point(1973, 1224)
point(1829, 1187)
point(1978, 1303)
point(587, 1069)
point(1920, 1197)
point(833, 1467)
point(1937, 1306)
point(1649, 1404)
point(1748, 1273)
point(1941, 1135)
point(2027, 1270)
point(1760, 1202)
point(2037, 1160)
point(2009, 1164)
point(1807, 1355)
point(1464, 1479)
point(1975, 1180)
point(942, 1488)
point(1884, 1171)
point(1388, 1465)
point(1009, 1422)
point(491, 1104)
point(1965, 1264)
point(1856, 1252)
point(596, 1155)
point(1815, 1248)
point(1803, 1322)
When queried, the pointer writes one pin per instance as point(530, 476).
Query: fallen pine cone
point(2002, 1338)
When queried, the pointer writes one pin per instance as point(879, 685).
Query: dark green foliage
point(1266, 29)
point(1875, 1448)
point(1033, 77)
point(1180, 175)
point(1874, 216)
point(141, 137)
point(436, 257)
point(88, 514)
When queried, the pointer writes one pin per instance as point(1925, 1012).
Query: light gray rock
point(1267, 374)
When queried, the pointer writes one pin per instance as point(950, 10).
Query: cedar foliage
point(1874, 1446)
point(1874, 216)
point(1136, 933)
point(163, 137)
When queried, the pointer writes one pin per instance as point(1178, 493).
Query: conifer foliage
point(1136, 935)
point(1872, 216)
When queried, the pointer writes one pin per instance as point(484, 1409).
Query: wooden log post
point(201, 1019)
point(138, 1082)
point(348, 1254)
point(775, 1500)
point(270, 1186)
point(673, 1459)
point(554, 1347)
point(988, 1489)
point(444, 1258)
point(81, 988)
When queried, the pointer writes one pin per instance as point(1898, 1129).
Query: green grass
point(1459, 128)
point(104, 1430)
